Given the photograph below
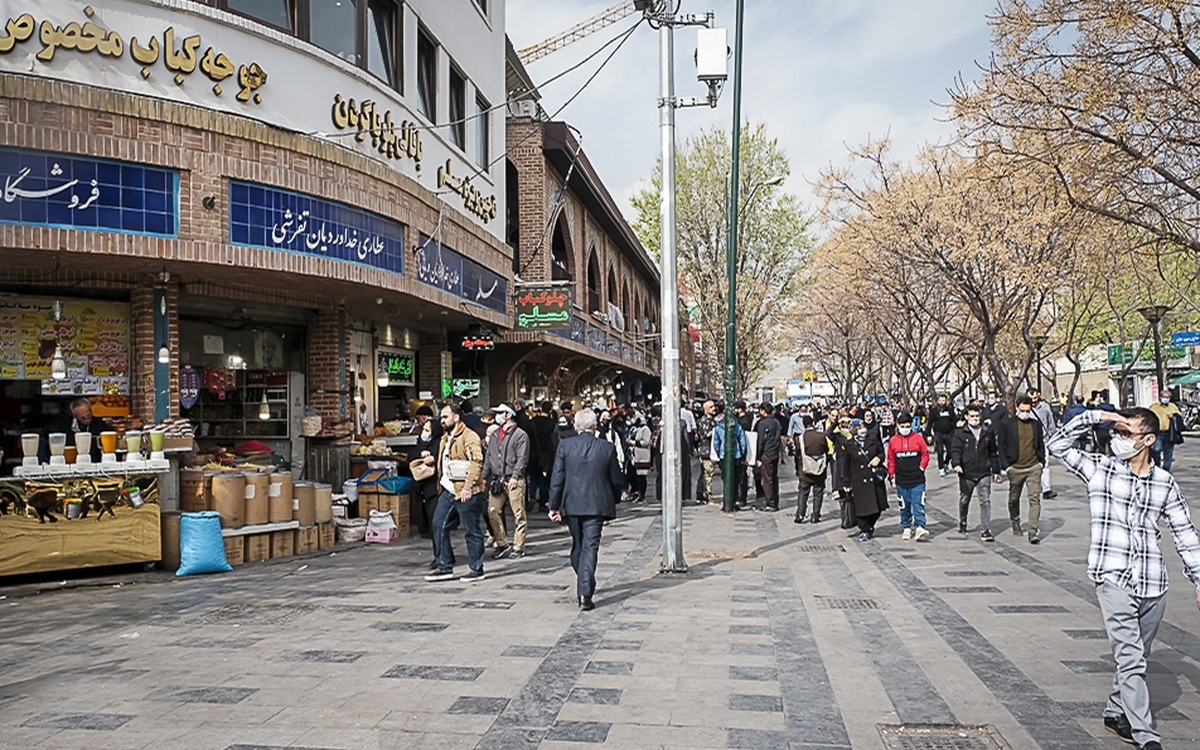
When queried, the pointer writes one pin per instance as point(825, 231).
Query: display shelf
point(236, 416)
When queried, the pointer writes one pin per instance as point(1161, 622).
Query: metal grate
point(254, 614)
point(819, 548)
point(841, 602)
point(940, 737)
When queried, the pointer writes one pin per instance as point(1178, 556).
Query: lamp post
point(1154, 315)
point(1039, 342)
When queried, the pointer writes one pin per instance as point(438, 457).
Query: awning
point(1192, 378)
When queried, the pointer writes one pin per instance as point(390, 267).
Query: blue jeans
point(1163, 451)
point(912, 506)
point(470, 515)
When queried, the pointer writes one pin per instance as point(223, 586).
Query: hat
point(503, 409)
point(520, 403)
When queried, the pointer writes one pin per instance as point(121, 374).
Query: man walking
point(942, 421)
point(813, 462)
point(746, 420)
point(1023, 457)
point(1045, 415)
point(704, 432)
point(463, 498)
point(1163, 451)
point(1128, 496)
point(974, 457)
point(584, 487)
point(907, 459)
point(504, 466)
point(739, 450)
point(770, 447)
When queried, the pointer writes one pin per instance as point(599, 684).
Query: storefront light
point(58, 366)
point(264, 409)
point(382, 380)
point(164, 355)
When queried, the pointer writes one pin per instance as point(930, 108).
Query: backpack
point(812, 465)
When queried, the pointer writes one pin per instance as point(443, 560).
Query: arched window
point(561, 251)
point(512, 215)
point(626, 309)
point(593, 282)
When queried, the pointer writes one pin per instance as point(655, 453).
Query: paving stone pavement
point(779, 636)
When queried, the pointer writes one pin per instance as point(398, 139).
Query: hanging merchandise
point(219, 380)
point(189, 386)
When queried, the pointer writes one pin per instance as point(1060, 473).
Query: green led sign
point(399, 367)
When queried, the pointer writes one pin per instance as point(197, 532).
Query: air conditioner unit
point(527, 108)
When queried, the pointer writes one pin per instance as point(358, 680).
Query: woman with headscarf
point(422, 460)
point(863, 477)
point(640, 438)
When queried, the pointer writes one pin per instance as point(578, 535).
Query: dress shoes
point(586, 603)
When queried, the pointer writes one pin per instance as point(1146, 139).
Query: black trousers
point(585, 548)
point(769, 474)
point(941, 442)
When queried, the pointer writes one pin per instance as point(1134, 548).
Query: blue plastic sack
point(201, 548)
point(396, 485)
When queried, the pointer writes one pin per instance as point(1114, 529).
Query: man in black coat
point(1022, 450)
point(942, 421)
point(976, 460)
point(541, 460)
point(584, 487)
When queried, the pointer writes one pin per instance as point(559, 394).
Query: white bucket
point(350, 488)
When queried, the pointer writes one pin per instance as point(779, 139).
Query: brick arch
point(562, 248)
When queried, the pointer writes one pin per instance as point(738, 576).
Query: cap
point(503, 408)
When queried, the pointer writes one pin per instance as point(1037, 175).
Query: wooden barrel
point(324, 498)
point(229, 499)
point(304, 505)
point(191, 491)
point(279, 497)
point(258, 504)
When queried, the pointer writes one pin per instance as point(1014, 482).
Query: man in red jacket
point(907, 459)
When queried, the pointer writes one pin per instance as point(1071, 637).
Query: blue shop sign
point(274, 219)
point(440, 267)
point(56, 190)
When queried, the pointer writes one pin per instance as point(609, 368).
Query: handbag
point(422, 471)
point(849, 516)
point(497, 485)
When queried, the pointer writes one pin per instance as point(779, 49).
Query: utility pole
point(710, 49)
point(727, 469)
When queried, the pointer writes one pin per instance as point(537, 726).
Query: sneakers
point(1119, 725)
point(1033, 537)
point(863, 536)
point(501, 552)
point(440, 575)
point(987, 536)
point(962, 528)
point(1016, 528)
point(517, 554)
point(1049, 495)
point(473, 577)
point(799, 519)
point(1152, 745)
point(941, 472)
point(920, 535)
point(907, 534)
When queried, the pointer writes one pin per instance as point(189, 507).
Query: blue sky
point(823, 74)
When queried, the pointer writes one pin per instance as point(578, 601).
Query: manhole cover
point(253, 614)
point(841, 602)
point(820, 548)
point(940, 737)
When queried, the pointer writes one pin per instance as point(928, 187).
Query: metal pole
point(731, 248)
point(672, 499)
point(1039, 368)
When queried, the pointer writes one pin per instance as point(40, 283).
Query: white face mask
point(974, 421)
point(501, 418)
point(1165, 401)
point(1026, 415)
point(1124, 448)
point(904, 430)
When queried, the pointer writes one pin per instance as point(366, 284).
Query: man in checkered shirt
point(1128, 495)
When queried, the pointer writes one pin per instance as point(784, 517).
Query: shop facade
point(238, 221)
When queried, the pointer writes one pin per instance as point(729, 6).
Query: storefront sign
point(399, 365)
point(480, 343)
point(467, 388)
point(92, 336)
point(473, 200)
point(545, 308)
point(1122, 355)
point(55, 190)
point(443, 268)
point(365, 118)
point(273, 219)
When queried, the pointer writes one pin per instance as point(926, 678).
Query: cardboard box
point(283, 543)
point(258, 547)
point(234, 554)
point(306, 540)
point(177, 444)
point(381, 536)
point(326, 536)
point(397, 505)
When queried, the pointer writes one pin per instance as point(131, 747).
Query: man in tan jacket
point(464, 494)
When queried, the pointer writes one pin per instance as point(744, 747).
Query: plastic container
point(133, 441)
point(58, 443)
point(108, 442)
point(29, 444)
point(83, 443)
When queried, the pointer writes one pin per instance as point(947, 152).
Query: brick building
point(303, 199)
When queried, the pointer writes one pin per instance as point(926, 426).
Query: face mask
point(862, 435)
point(563, 425)
point(974, 421)
point(1124, 448)
point(1025, 415)
point(906, 431)
point(845, 431)
point(501, 418)
point(1165, 401)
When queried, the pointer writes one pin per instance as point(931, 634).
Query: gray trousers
point(982, 489)
point(1019, 479)
point(1131, 623)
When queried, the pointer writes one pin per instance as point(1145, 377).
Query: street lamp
point(1039, 342)
point(731, 247)
point(1154, 315)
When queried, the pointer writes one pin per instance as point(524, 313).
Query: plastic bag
point(396, 485)
point(201, 548)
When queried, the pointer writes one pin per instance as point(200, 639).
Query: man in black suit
point(584, 487)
